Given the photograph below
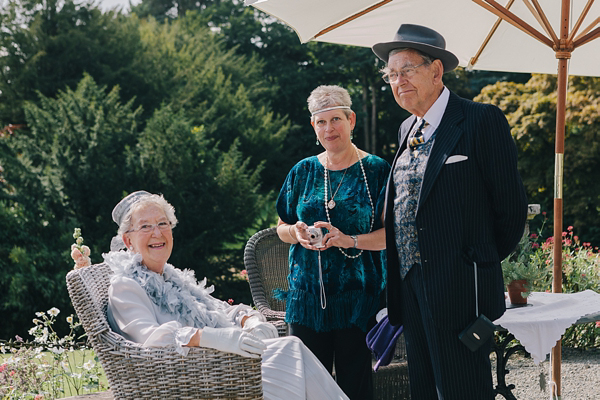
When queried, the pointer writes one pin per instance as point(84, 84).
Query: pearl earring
point(317, 141)
point(351, 134)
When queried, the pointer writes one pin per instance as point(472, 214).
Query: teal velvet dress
point(353, 286)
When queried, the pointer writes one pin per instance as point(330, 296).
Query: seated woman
point(155, 304)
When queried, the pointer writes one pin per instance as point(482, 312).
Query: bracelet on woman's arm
point(355, 239)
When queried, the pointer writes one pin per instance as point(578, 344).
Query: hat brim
point(449, 60)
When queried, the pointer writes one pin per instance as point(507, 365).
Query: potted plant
point(520, 272)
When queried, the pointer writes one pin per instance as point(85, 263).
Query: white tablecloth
point(540, 326)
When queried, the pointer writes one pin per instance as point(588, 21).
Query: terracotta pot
point(515, 288)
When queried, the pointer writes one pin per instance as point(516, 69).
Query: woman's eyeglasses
point(147, 228)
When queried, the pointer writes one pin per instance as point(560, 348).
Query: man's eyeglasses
point(147, 228)
point(406, 73)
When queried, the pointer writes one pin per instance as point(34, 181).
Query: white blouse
point(134, 315)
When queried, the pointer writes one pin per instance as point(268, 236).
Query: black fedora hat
point(420, 38)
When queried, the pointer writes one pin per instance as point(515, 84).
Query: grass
point(72, 381)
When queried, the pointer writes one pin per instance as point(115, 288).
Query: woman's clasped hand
point(332, 236)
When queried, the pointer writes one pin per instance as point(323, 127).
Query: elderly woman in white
point(155, 304)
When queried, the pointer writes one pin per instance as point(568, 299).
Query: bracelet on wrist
point(355, 239)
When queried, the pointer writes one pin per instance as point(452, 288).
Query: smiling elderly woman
point(155, 304)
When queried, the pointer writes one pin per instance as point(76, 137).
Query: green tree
point(46, 46)
point(216, 194)
point(215, 87)
point(65, 171)
point(531, 112)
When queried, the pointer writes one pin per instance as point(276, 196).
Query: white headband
point(329, 109)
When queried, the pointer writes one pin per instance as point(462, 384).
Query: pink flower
point(564, 234)
point(230, 301)
point(587, 244)
point(570, 228)
point(576, 238)
point(597, 324)
point(544, 213)
point(39, 397)
point(12, 373)
point(533, 236)
point(244, 274)
point(2, 367)
point(535, 246)
point(19, 338)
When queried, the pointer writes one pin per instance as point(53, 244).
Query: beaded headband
point(329, 109)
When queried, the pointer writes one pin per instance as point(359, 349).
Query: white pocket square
point(455, 159)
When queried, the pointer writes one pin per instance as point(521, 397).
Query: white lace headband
point(329, 109)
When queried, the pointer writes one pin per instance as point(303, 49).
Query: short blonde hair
point(326, 96)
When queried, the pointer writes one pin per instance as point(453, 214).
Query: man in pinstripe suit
point(454, 198)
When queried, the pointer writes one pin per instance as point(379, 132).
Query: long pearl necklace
point(325, 184)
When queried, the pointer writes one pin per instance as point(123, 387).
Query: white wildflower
point(43, 338)
point(32, 330)
point(56, 350)
point(38, 350)
point(39, 314)
point(53, 311)
point(78, 376)
point(89, 365)
point(65, 365)
point(70, 319)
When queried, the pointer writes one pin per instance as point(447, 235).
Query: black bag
point(480, 330)
point(477, 332)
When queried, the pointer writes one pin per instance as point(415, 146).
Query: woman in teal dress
point(335, 286)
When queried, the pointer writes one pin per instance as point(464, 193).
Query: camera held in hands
point(315, 236)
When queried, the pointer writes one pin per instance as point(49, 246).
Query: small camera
point(315, 236)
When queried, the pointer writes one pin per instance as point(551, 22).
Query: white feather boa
point(178, 293)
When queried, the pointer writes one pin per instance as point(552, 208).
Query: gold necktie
point(418, 138)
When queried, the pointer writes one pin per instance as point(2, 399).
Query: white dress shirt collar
point(434, 115)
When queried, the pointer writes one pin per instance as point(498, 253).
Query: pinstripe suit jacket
point(470, 210)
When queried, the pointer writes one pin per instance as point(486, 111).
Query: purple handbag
point(381, 340)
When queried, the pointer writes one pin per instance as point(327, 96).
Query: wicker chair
point(137, 372)
point(266, 259)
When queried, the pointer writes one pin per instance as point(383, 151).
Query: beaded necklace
point(325, 184)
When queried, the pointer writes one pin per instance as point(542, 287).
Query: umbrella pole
point(563, 54)
point(558, 209)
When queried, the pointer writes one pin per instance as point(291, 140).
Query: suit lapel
point(405, 128)
point(446, 137)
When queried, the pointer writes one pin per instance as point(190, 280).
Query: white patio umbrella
point(517, 36)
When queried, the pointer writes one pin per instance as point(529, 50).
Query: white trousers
point(290, 371)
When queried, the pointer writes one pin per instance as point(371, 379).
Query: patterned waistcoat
point(408, 176)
